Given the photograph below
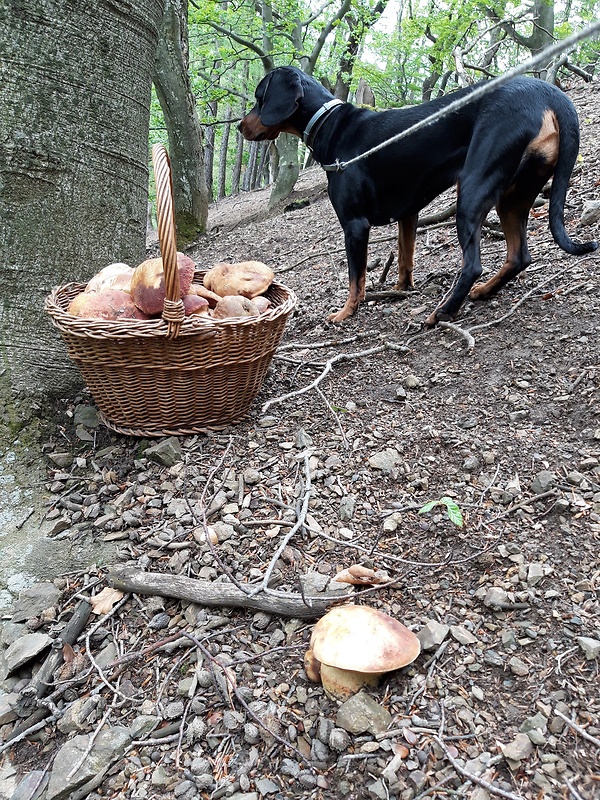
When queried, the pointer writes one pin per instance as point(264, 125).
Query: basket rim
point(127, 327)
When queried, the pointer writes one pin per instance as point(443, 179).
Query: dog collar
point(319, 117)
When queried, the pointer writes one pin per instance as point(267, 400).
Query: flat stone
point(519, 749)
point(109, 745)
point(535, 573)
point(386, 460)
point(591, 212)
point(361, 713)
point(462, 635)
point(25, 649)
point(432, 634)
point(166, 452)
point(8, 705)
point(496, 597)
point(590, 647)
point(34, 600)
point(518, 667)
point(266, 786)
point(543, 482)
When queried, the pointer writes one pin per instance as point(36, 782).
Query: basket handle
point(173, 310)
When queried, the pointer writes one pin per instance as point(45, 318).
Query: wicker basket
point(175, 375)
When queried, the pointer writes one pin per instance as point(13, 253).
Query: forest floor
point(507, 686)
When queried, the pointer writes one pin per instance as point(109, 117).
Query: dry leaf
point(103, 602)
point(68, 653)
point(359, 575)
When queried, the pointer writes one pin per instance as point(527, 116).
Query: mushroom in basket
point(352, 646)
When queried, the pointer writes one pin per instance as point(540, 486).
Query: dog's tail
point(567, 155)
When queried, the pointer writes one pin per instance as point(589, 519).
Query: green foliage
point(231, 44)
point(454, 513)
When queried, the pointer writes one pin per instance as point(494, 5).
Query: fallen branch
point(489, 787)
point(264, 584)
point(461, 332)
point(218, 593)
point(581, 731)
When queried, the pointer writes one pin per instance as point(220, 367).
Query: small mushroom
point(352, 646)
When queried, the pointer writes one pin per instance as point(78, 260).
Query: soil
point(450, 471)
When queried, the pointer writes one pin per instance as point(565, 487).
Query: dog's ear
point(282, 94)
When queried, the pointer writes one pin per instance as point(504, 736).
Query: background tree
point(174, 92)
point(74, 111)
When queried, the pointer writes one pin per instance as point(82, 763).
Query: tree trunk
point(287, 175)
point(237, 166)
point(209, 151)
point(74, 117)
point(222, 187)
point(174, 92)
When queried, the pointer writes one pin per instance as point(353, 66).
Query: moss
point(188, 229)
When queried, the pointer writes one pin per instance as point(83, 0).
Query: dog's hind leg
point(407, 234)
point(513, 209)
point(472, 208)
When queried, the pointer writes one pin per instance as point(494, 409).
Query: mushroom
point(246, 278)
point(234, 306)
point(194, 304)
point(114, 276)
point(352, 646)
point(107, 304)
point(148, 283)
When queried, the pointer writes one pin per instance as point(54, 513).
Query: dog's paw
point(480, 291)
point(338, 316)
point(431, 321)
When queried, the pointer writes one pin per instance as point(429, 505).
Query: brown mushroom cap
point(246, 278)
point(363, 639)
point(148, 282)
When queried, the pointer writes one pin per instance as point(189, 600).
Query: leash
point(476, 94)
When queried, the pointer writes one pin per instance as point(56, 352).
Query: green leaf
point(428, 506)
point(454, 512)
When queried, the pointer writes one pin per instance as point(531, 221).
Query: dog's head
point(277, 98)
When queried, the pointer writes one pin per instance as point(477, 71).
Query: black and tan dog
point(500, 150)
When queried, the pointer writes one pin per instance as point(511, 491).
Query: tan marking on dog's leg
point(406, 252)
point(546, 142)
point(511, 226)
point(355, 298)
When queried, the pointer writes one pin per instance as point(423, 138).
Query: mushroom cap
point(363, 639)
point(148, 282)
point(114, 276)
point(246, 278)
point(107, 304)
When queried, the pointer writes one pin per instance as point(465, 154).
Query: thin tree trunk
point(222, 188)
point(209, 150)
point(178, 104)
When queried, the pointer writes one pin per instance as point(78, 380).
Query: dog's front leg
point(356, 235)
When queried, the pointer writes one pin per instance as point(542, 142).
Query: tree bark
point(174, 92)
point(74, 117)
point(222, 183)
point(289, 169)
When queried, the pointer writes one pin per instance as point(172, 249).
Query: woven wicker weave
point(175, 375)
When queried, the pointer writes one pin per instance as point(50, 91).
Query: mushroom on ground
point(352, 646)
